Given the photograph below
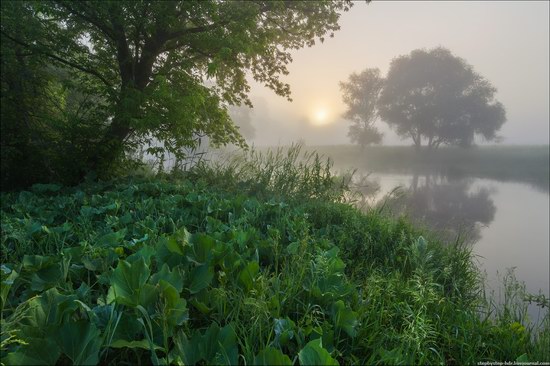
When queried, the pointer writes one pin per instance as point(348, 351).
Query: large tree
point(149, 60)
point(360, 94)
point(434, 96)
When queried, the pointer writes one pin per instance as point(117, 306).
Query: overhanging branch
point(59, 59)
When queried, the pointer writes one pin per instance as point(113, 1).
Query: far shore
point(520, 163)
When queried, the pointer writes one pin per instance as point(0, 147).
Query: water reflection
point(452, 207)
point(508, 221)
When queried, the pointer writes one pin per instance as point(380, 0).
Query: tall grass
point(285, 171)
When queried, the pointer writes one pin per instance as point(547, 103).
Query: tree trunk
point(128, 108)
point(112, 142)
point(135, 77)
point(111, 146)
point(415, 182)
point(417, 140)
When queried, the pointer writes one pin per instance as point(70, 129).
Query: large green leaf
point(314, 354)
point(201, 277)
point(202, 247)
point(164, 255)
point(522, 358)
point(344, 318)
point(174, 277)
point(127, 281)
point(284, 331)
point(50, 308)
point(7, 278)
point(128, 327)
point(219, 345)
point(248, 274)
point(271, 356)
point(47, 277)
point(80, 341)
point(187, 350)
point(328, 288)
point(178, 242)
point(148, 296)
point(45, 272)
point(332, 253)
point(146, 252)
point(293, 247)
point(174, 308)
point(38, 351)
point(112, 239)
point(329, 282)
point(33, 263)
point(231, 262)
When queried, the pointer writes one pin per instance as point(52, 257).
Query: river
point(506, 222)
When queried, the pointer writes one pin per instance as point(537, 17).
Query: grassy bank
point(257, 261)
point(529, 164)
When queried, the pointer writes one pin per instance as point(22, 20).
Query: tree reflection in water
point(450, 207)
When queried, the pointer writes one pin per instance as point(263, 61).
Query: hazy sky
point(506, 42)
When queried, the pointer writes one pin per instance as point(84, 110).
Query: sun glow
point(320, 116)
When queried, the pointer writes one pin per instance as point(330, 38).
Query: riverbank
point(258, 260)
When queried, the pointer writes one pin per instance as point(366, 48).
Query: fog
point(505, 42)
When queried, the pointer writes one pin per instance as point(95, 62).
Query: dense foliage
point(85, 83)
point(212, 268)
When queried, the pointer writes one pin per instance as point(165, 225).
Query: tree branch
point(124, 56)
point(205, 28)
point(59, 59)
point(92, 20)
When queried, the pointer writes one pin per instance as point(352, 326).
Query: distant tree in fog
point(240, 115)
point(360, 94)
point(434, 96)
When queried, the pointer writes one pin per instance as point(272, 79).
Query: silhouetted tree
point(360, 94)
point(436, 96)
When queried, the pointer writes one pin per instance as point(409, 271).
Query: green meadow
point(259, 260)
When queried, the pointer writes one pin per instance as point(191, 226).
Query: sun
point(320, 116)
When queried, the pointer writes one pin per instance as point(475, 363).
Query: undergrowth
point(253, 261)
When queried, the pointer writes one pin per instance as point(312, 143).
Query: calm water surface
point(507, 223)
